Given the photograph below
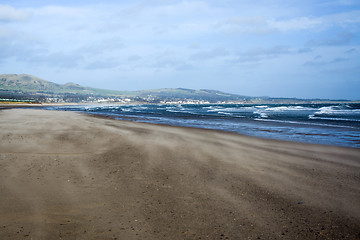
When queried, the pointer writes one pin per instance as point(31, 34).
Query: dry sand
point(65, 175)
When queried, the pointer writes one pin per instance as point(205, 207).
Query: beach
point(65, 175)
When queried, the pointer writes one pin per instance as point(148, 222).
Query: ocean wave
point(239, 109)
point(332, 110)
point(264, 115)
point(226, 113)
point(288, 108)
point(302, 123)
point(213, 107)
point(126, 109)
point(233, 109)
point(334, 119)
point(183, 111)
point(261, 113)
point(173, 111)
point(140, 108)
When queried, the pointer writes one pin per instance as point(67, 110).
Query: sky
point(276, 48)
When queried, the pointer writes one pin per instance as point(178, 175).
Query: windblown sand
point(65, 175)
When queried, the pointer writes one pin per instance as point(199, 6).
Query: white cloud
point(258, 54)
point(295, 24)
point(342, 38)
point(10, 14)
point(351, 51)
point(185, 67)
point(134, 58)
point(6, 33)
point(57, 59)
point(59, 11)
point(341, 2)
point(180, 9)
point(100, 64)
point(213, 53)
point(162, 29)
point(260, 25)
point(263, 24)
point(250, 25)
point(344, 19)
point(323, 63)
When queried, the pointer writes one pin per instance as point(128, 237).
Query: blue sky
point(304, 49)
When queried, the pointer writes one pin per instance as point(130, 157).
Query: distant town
point(116, 100)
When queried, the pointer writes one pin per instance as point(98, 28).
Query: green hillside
point(183, 93)
point(30, 85)
point(24, 87)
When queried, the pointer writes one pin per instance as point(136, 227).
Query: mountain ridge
point(28, 84)
point(25, 86)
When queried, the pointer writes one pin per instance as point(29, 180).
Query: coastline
point(280, 141)
point(76, 176)
point(268, 122)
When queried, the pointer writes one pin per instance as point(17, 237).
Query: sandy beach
point(65, 175)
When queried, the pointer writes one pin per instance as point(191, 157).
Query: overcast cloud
point(258, 48)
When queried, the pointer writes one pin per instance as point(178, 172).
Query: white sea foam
point(302, 123)
point(334, 119)
point(126, 110)
point(183, 110)
point(224, 109)
point(263, 115)
point(140, 108)
point(225, 113)
point(172, 110)
point(331, 110)
point(213, 107)
point(250, 108)
point(288, 108)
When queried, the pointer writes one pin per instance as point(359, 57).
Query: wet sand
point(65, 175)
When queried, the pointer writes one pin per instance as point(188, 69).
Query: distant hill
point(27, 87)
point(26, 82)
point(184, 93)
point(30, 85)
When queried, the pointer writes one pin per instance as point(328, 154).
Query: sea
point(330, 124)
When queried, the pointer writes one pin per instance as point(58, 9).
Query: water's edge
point(337, 125)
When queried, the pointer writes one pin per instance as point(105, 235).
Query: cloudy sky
point(278, 48)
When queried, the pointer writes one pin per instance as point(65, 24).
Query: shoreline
point(75, 176)
point(10, 104)
point(134, 119)
point(211, 130)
